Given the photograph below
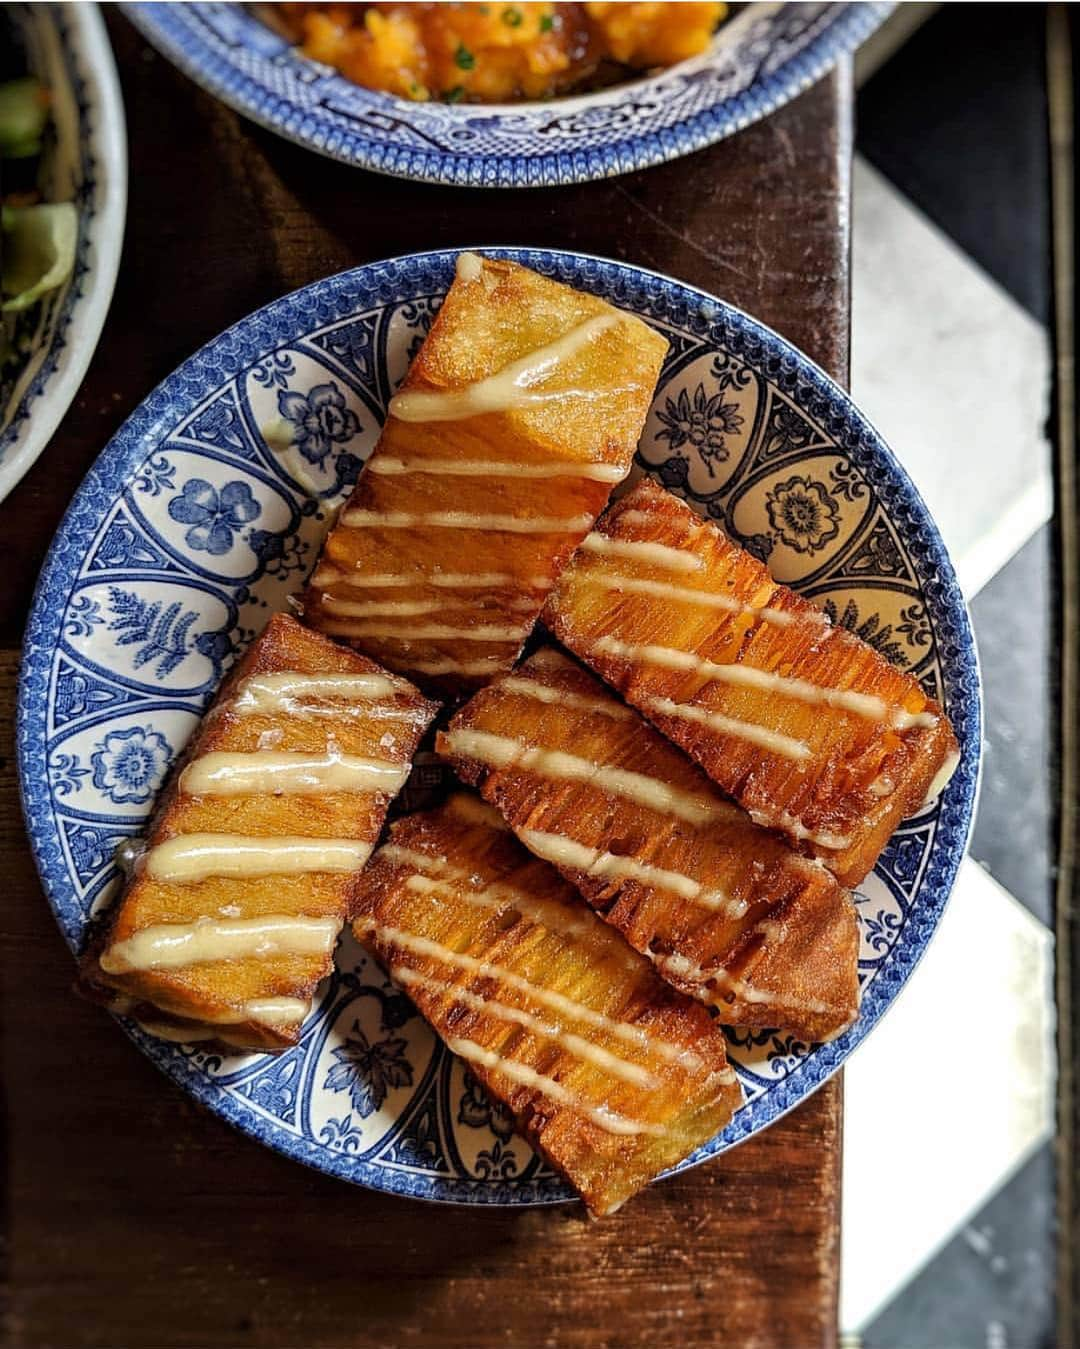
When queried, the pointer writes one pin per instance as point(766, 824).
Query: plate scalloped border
point(254, 71)
point(654, 296)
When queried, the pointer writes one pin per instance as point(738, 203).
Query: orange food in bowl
point(489, 53)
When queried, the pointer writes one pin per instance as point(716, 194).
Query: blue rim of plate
point(242, 72)
point(652, 295)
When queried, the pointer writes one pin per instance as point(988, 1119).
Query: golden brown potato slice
point(805, 725)
point(520, 412)
point(232, 911)
point(611, 1074)
point(725, 910)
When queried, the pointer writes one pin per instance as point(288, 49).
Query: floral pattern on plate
point(205, 514)
point(759, 59)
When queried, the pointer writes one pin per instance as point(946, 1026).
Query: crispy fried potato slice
point(610, 1073)
point(231, 914)
point(809, 728)
point(520, 412)
point(725, 910)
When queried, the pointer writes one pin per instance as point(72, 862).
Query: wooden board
point(135, 1218)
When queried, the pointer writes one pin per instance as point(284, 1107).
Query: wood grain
point(135, 1218)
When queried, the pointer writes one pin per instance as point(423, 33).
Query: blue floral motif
point(279, 553)
point(155, 476)
point(881, 930)
point(871, 630)
point(75, 694)
point(67, 773)
point(701, 421)
point(785, 432)
point(76, 853)
point(915, 626)
point(645, 121)
point(129, 766)
point(498, 1160)
point(83, 615)
point(274, 371)
point(321, 420)
point(215, 646)
point(368, 1071)
point(478, 1111)
point(219, 424)
point(91, 848)
point(214, 516)
point(803, 514)
point(341, 1135)
point(352, 344)
point(275, 1090)
point(160, 632)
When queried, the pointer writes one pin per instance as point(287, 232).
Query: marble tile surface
point(954, 373)
point(956, 376)
point(951, 1095)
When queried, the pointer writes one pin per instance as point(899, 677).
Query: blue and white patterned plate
point(85, 162)
point(205, 513)
point(761, 58)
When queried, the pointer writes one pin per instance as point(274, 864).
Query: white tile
point(949, 1096)
point(955, 375)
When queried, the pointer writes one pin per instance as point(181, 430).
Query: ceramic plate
point(761, 58)
point(86, 163)
point(192, 528)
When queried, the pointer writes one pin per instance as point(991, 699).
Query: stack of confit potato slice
point(638, 864)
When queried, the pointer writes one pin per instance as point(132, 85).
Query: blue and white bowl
point(206, 512)
point(86, 163)
point(761, 58)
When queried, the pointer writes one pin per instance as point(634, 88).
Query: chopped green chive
point(547, 22)
point(456, 94)
point(463, 58)
point(512, 17)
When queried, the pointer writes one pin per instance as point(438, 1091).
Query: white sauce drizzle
point(289, 772)
point(174, 945)
point(411, 608)
point(194, 857)
point(675, 559)
point(380, 608)
point(328, 575)
point(276, 1011)
point(546, 1030)
point(578, 856)
point(773, 741)
point(942, 778)
point(693, 973)
point(496, 895)
point(504, 752)
point(548, 997)
point(482, 632)
point(501, 899)
point(386, 465)
point(544, 693)
point(269, 693)
point(847, 700)
point(508, 388)
point(470, 267)
point(687, 594)
point(445, 665)
point(524, 1076)
point(787, 822)
point(505, 524)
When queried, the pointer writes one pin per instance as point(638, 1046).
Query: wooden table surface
point(134, 1218)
